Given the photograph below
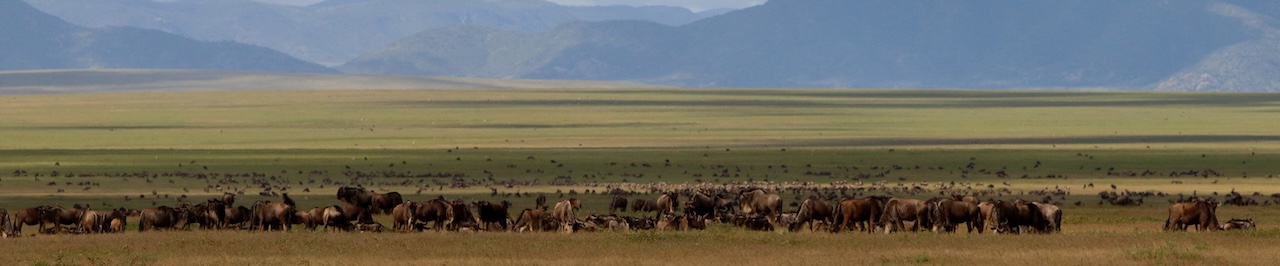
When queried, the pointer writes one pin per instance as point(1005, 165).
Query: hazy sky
point(695, 5)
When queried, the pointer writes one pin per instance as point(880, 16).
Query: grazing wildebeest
point(355, 196)
point(1202, 214)
point(1052, 215)
point(383, 203)
point(812, 210)
point(1016, 216)
point(643, 205)
point(235, 216)
point(59, 216)
point(865, 213)
point(757, 201)
point(29, 216)
point(1239, 224)
point(161, 217)
point(356, 213)
point(494, 213)
point(531, 219)
point(946, 214)
point(610, 222)
point(701, 204)
point(438, 211)
point(264, 214)
point(984, 209)
point(332, 217)
point(897, 211)
point(619, 203)
point(462, 216)
point(564, 211)
point(667, 203)
point(402, 216)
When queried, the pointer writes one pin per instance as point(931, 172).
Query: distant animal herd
point(758, 209)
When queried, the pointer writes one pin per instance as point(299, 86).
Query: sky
point(695, 5)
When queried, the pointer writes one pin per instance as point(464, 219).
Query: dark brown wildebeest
point(897, 211)
point(541, 202)
point(160, 217)
point(1239, 224)
point(437, 211)
point(667, 203)
point(462, 216)
point(215, 213)
point(383, 203)
point(332, 217)
point(531, 220)
point(265, 214)
point(235, 216)
point(619, 203)
point(757, 201)
point(1016, 216)
point(643, 205)
point(355, 196)
point(1202, 214)
point(59, 216)
point(564, 212)
point(29, 216)
point(865, 213)
point(701, 204)
point(1052, 215)
point(228, 199)
point(494, 213)
point(946, 214)
point(356, 213)
point(811, 210)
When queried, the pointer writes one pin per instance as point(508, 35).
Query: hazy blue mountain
point(1138, 44)
point(36, 40)
point(333, 32)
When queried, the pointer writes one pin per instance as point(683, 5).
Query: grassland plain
point(602, 138)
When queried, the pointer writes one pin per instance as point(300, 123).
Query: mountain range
point(1138, 44)
point(35, 40)
point(335, 31)
point(1211, 45)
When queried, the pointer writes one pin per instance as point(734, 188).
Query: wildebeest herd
point(749, 208)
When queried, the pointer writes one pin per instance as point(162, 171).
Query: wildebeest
point(438, 211)
point(1202, 214)
point(897, 211)
point(235, 216)
point(643, 205)
point(161, 217)
point(402, 216)
point(373, 201)
point(619, 203)
point(495, 213)
point(462, 216)
point(667, 203)
point(59, 216)
point(564, 212)
point(1239, 224)
point(757, 201)
point(984, 208)
point(29, 216)
point(1052, 215)
point(946, 214)
point(1016, 216)
point(265, 214)
point(864, 212)
point(701, 204)
point(541, 202)
point(610, 222)
point(812, 210)
point(531, 219)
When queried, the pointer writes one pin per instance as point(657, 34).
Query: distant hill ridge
point(335, 31)
point(35, 40)
point(1139, 44)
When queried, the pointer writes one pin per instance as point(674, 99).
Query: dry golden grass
point(718, 246)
